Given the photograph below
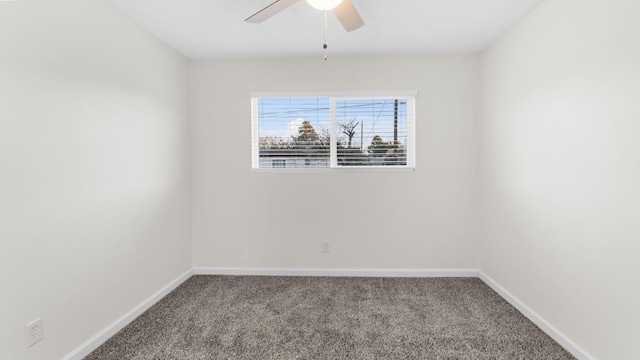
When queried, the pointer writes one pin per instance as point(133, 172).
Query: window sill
point(350, 169)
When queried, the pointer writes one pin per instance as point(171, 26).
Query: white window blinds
point(297, 132)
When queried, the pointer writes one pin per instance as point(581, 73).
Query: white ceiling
point(215, 29)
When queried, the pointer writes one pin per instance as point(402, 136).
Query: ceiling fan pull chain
point(325, 46)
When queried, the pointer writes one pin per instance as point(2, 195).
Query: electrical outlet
point(33, 331)
point(326, 246)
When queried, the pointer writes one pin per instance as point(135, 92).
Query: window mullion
point(333, 133)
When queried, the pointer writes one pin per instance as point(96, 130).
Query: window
point(337, 131)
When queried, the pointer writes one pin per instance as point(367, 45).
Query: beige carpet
point(249, 317)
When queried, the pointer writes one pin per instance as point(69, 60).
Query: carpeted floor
point(249, 317)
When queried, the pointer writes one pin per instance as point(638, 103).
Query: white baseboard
point(554, 333)
point(338, 272)
point(98, 339)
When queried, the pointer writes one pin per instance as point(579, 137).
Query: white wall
point(560, 145)
point(94, 171)
point(243, 219)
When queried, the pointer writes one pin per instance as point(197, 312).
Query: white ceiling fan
point(343, 9)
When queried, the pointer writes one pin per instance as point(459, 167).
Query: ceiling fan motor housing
point(324, 4)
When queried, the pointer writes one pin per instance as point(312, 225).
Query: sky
point(281, 117)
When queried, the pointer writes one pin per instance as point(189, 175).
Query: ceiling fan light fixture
point(324, 4)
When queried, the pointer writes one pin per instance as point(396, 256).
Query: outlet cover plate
point(33, 332)
point(326, 246)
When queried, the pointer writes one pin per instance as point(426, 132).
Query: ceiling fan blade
point(348, 15)
point(269, 11)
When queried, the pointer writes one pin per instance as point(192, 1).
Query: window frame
point(408, 95)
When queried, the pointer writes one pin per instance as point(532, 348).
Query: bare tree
point(273, 142)
point(349, 129)
point(325, 136)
